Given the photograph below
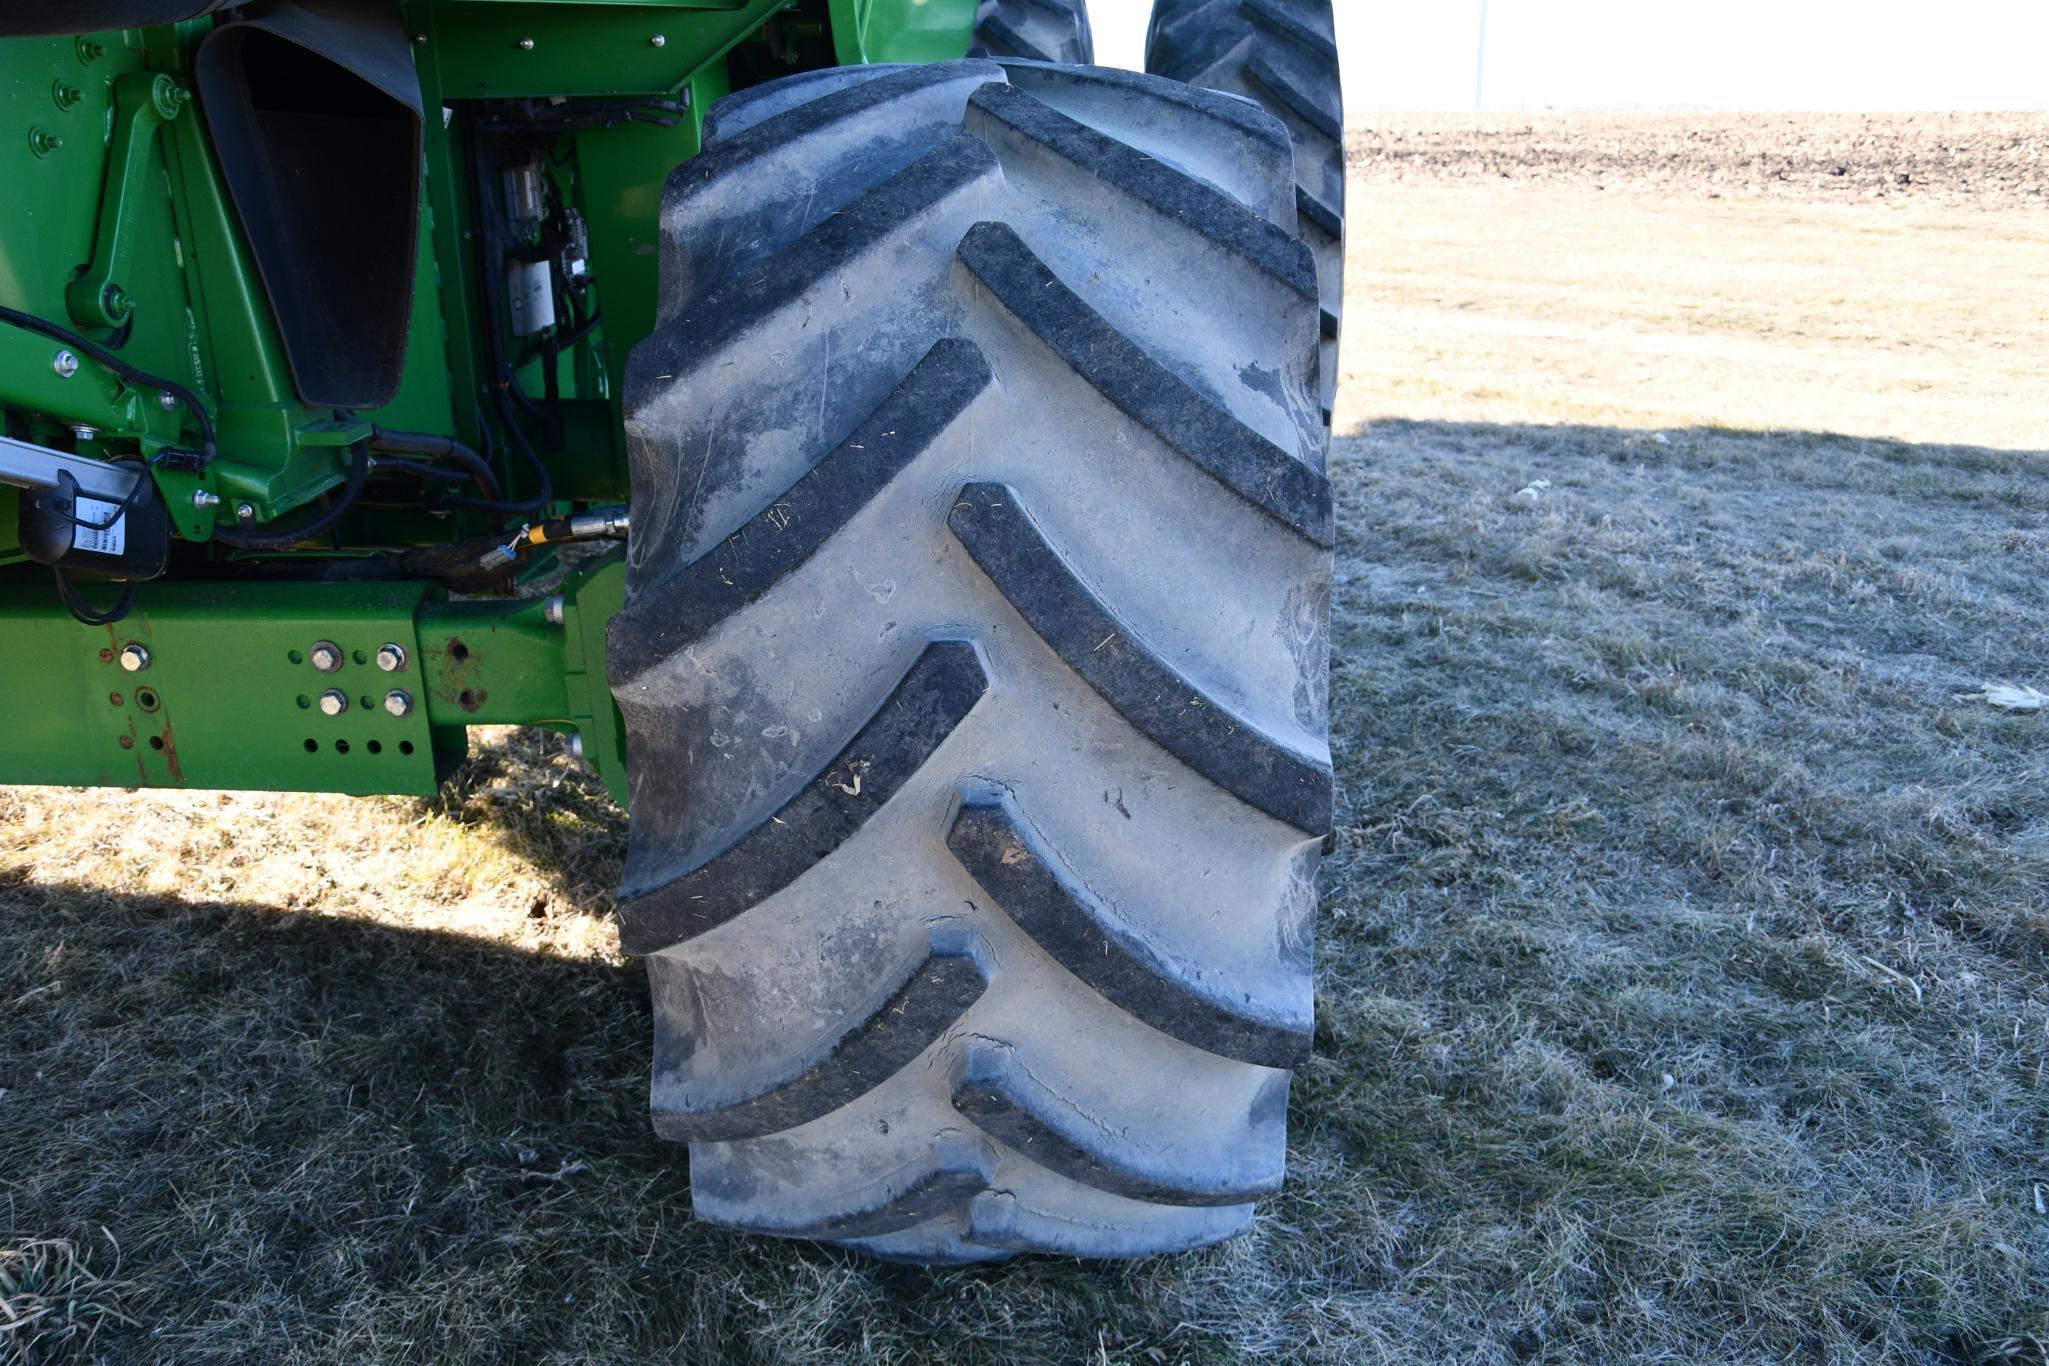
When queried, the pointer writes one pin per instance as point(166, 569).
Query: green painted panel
point(230, 695)
point(883, 31)
point(505, 663)
point(489, 49)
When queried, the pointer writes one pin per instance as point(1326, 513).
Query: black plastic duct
point(314, 108)
point(44, 18)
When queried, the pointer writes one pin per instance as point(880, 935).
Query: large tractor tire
point(974, 663)
point(1035, 30)
point(1284, 55)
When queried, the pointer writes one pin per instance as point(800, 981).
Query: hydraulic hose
point(543, 495)
point(440, 448)
point(490, 247)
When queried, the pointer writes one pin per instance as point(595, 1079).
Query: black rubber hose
point(490, 248)
point(456, 565)
point(139, 378)
point(439, 447)
point(244, 539)
point(440, 474)
point(543, 496)
point(577, 333)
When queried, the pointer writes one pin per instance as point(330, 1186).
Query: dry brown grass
point(1685, 958)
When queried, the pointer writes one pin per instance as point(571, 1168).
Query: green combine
point(892, 447)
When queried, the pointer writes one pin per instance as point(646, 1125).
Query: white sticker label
point(111, 541)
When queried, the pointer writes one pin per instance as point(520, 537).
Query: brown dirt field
point(1989, 161)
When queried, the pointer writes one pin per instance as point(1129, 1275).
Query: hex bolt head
point(168, 96)
point(551, 609)
point(391, 657)
point(334, 702)
point(167, 400)
point(576, 744)
point(65, 364)
point(134, 658)
point(202, 500)
point(658, 41)
point(399, 702)
point(246, 511)
point(526, 45)
point(326, 656)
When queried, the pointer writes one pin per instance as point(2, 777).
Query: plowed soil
point(1986, 160)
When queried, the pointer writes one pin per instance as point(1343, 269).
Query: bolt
point(391, 657)
point(89, 51)
point(334, 702)
point(576, 744)
point(245, 511)
point(66, 94)
point(202, 500)
point(43, 143)
point(134, 658)
point(526, 45)
point(399, 702)
point(659, 41)
point(168, 96)
point(115, 300)
point(420, 39)
point(551, 609)
point(80, 431)
point(167, 400)
point(65, 364)
point(326, 656)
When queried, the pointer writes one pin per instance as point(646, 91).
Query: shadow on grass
point(270, 1134)
point(235, 1004)
point(269, 1108)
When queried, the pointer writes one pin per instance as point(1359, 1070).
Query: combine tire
point(1283, 54)
point(1036, 30)
point(974, 664)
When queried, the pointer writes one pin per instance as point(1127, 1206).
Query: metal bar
point(142, 102)
point(29, 466)
point(298, 687)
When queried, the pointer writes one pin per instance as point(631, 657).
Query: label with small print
point(108, 541)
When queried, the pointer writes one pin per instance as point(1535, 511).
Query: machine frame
point(122, 227)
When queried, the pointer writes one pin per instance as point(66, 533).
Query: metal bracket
point(28, 466)
point(142, 101)
point(536, 661)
